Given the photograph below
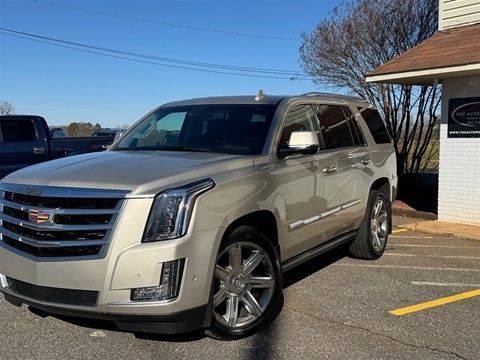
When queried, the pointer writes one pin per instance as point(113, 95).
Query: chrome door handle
point(330, 169)
point(39, 150)
point(366, 161)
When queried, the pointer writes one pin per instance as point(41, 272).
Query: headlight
point(171, 211)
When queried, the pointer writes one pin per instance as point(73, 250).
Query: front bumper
point(112, 279)
point(180, 322)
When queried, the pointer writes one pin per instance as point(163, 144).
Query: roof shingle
point(452, 47)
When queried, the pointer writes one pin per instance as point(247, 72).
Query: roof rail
point(313, 93)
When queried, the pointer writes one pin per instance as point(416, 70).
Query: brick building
point(450, 57)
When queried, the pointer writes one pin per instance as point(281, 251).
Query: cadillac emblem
point(39, 216)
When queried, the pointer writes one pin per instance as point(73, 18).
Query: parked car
point(26, 140)
point(57, 132)
point(190, 219)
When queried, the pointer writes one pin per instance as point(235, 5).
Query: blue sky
point(66, 85)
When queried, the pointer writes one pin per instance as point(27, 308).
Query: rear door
point(342, 136)
point(20, 145)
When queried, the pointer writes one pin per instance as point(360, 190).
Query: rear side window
point(17, 131)
point(335, 128)
point(376, 125)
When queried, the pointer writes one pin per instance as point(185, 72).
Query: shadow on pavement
point(312, 266)
point(96, 325)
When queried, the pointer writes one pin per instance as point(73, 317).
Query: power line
point(155, 60)
point(165, 23)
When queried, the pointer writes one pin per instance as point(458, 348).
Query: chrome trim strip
point(26, 208)
point(54, 227)
point(301, 223)
point(56, 191)
point(52, 244)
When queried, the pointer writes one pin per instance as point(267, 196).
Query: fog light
point(169, 287)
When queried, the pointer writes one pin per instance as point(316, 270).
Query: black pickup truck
point(25, 140)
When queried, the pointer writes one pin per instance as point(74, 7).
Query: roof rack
point(313, 93)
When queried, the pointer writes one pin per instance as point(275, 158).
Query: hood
point(141, 173)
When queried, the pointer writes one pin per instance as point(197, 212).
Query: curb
point(414, 214)
point(470, 232)
point(427, 222)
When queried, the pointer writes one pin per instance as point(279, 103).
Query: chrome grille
point(66, 203)
point(53, 223)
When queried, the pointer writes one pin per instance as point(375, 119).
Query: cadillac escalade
point(189, 220)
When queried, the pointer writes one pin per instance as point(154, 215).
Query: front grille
point(18, 214)
point(53, 295)
point(48, 235)
point(48, 252)
point(82, 219)
point(58, 223)
point(58, 202)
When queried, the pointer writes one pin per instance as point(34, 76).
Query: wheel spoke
point(376, 240)
point(253, 261)
point(232, 311)
point(382, 217)
point(251, 304)
point(221, 273)
point(258, 282)
point(378, 208)
point(220, 296)
point(382, 232)
point(235, 256)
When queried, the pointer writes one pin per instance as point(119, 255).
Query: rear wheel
point(247, 285)
point(372, 236)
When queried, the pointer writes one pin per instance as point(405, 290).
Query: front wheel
point(247, 291)
point(372, 236)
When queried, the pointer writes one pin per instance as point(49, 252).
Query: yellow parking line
point(429, 304)
point(399, 230)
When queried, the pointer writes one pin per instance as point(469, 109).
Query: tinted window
point(17, 131)
point(299, 118)
point(358, 138)
point(376, 125)
point(334, 126)
point(234, 129)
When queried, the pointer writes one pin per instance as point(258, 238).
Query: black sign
point(464, 118)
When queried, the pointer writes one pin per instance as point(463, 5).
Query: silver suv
point(190, 219)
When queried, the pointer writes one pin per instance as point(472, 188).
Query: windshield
point(233, 129)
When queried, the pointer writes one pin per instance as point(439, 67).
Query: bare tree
point(6, 108)
point(361, 35)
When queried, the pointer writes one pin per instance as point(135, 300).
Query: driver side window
point(299, 118)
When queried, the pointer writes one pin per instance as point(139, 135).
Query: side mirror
point(300, 143)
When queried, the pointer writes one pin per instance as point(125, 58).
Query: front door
point(309, 188)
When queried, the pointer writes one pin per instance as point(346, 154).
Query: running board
point(310, 254)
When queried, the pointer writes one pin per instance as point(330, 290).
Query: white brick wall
point(459, 176)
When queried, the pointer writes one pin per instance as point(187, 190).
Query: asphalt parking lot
point(419, 301)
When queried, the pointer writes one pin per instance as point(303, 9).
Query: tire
point(247, 285)
point(372, 236)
